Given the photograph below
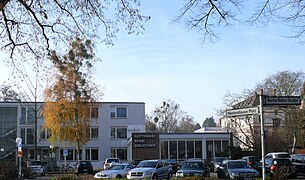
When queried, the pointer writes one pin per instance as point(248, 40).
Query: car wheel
point(169, 176)
point(118, 176)
point(155, 176)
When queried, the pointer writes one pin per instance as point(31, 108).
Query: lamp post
point(2, 150)
point(51, 156)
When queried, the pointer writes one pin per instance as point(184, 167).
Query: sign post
point(19, 154)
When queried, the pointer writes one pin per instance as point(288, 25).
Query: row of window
point(27, 134)
point(28, 113)
point(91, 154)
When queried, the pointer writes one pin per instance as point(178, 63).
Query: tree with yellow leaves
point(68, 100)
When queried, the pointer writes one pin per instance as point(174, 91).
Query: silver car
point(115, 171)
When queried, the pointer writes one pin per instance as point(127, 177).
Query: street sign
point(282, 100)
point(19, 153)
point(242, 112)
point(65, 152)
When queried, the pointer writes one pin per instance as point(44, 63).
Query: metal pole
point(262, 133)
point(20, 167)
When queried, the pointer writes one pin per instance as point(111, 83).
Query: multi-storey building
point(111, 127)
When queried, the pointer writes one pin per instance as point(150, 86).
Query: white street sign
point(282, 100)
point(242, 112)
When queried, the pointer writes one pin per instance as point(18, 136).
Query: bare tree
point(285, 83)
point(36, 26)
point(167, 116)
point(206, 15)
point(8, 94)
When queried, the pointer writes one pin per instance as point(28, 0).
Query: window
point(69, 156)
point(44, 133)
point(120, 153)
point(119, 112)
point(118, 133)
point(92, 133)
point(276, 122)
point(94, 112)
point(27, 135)
point(92, 154)
point(27, 115)
point(164, 149)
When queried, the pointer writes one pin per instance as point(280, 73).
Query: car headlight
point(257, 174)
point(234, 174)
point(147, 173)
point(179, 174)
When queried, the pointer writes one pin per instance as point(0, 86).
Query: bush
point(8, 171)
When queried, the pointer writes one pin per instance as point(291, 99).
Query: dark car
point(84, 167)
point(193, 168)
point(276, 167)
point(216, 162)
point(251, 160)
point(236, 169)
point(175, 165)
point(298, 160)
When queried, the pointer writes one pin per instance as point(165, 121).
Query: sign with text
point(282, 100)
point(241, 112)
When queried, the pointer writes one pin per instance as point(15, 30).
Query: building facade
point(111, 127)
point(203, 143)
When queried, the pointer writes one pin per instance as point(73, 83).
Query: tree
point(285, 83)
point(167, 116)
point(8, 94)
point(209, 122)
point(67, 101)
point(187, 125)
point(205, 16)
point(37, 26)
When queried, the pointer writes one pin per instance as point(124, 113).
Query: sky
point(168, 61)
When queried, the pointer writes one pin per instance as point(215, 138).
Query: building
point(247, 128)
point(204, 143)
point(111, 127)
point(117, 130)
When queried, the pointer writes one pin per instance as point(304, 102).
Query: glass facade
point(181, 149)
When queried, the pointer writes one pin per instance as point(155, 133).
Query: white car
point(37, 167)
point(115, 171)
point(110, 161)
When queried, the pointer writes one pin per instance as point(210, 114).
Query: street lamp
point(2, 150)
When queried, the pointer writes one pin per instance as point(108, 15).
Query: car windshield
point(219, 160)
point(113, 160)
point(282, 162)
point(192, 165)
point(117, 167)
point(283, 156)
point(147, 164)
point(254, 159)
point(237, 164)
point(35, 163)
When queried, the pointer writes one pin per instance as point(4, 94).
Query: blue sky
point(170, 62)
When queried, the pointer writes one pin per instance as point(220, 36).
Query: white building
point(109, 132)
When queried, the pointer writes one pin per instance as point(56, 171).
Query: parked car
point(251, 160)
point(298, 160)
point(273, 165)
point(110, 161)
point(236, 169)
point(278, 155)
point(151, 169)
point(37, 167)
point(216, 162)
point(174, 163)
point(115, 171)
point(193, 168)
point(84, 167)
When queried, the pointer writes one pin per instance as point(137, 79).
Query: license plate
point(248, 179)
point(84, 169)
